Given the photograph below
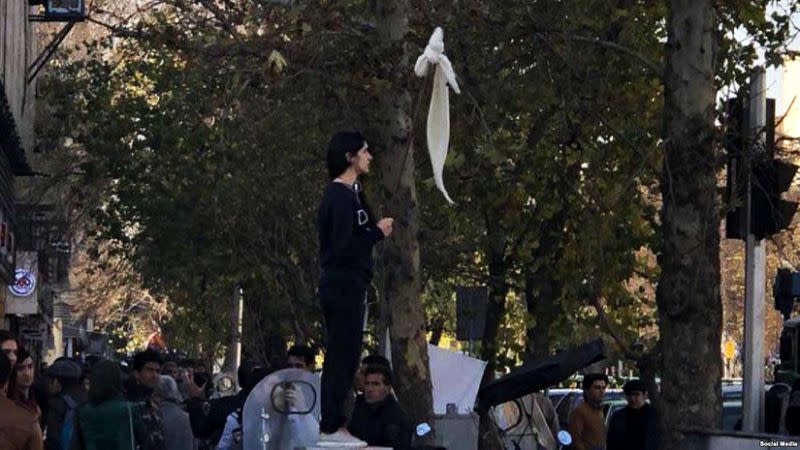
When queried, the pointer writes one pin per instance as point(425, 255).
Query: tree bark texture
point(542, 292)
point(543, 289)
point(688, 294)
point(498, 288)
point(648, 366)
point(401, 264)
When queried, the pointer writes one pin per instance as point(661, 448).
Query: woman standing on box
point(347, 233)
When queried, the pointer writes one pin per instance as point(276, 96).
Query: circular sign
point(24, 283)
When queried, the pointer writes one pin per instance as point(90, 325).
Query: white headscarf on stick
point(439, 111)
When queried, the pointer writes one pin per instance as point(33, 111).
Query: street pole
point(239, 323)
point(233, 352)
point(755, 268)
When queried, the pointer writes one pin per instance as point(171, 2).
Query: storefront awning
point(9, 138)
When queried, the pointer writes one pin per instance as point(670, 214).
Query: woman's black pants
point(342, 297)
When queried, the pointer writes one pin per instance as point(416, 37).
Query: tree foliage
point(198, 128)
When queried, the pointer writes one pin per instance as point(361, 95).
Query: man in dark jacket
point(634, 427)
point(209, 417)
point(377, 417)
point(139, 391)
point(23, 387)
point(66, 394)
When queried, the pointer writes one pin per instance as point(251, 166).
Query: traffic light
point(786, 290)
point(735, 189)
point(769, 178)
point(769, 212)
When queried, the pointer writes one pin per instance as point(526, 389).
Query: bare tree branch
point(611, 328)
point(222, 19)
point(654, 68)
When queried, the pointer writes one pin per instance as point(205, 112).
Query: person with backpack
point(66, 394)
point(107, 421)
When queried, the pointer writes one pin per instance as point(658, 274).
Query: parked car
point(564, 401)
point(732, 405)
point(613, 402)
point(731, 414)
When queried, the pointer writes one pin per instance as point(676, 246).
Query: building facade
point(34, 239)
point(17, 48)
point(789, 101)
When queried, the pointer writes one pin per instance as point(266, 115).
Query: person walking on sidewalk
point(347, 233)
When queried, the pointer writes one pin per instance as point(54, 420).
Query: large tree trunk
point(542, 293)
point(648, 366)
point(401, 251)
point(689, 304)
point(543, 289)
point(498, 288)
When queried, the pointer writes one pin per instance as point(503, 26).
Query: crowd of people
point(154, 403)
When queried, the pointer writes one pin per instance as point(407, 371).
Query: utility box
point(457, 431)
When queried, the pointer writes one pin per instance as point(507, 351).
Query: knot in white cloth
point(438, 129)
point(434, 54)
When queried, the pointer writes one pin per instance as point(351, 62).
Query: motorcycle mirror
point(564, 437)
point(423, 429)
point(508, 415)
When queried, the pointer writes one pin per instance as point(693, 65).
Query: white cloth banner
point(456, 379)
point(438, 129)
